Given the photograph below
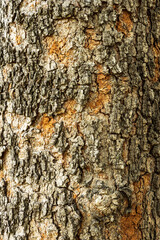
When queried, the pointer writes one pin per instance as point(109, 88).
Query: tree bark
point(80, 120)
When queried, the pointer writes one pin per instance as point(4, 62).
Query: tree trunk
point(80, 120)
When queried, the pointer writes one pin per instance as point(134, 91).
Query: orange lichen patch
point(102, 96)
point(46, 125)
point(98, 99)
point(124, 24)
point(156, 51)
point(18, 39)
point(1, 175)
point(91, 39)
point(102, 82)
point(57, 48)
point(130, 224)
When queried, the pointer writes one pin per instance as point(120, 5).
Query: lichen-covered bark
point(80, 120)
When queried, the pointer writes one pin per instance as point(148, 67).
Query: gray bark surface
point(79, 120)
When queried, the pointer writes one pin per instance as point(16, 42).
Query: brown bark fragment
point(60, 46)
point(91, 41)
point(1, 175)
point(98, 99)
point(130, 223)
point(17, 35)
point(125, 151)
point(103, 176)
point(58, 51)
point(39, 231)
point(6, 69)
point(156, 51)
point(4, 174)
point(27, 2)
point(124, 24)
point(31, 5)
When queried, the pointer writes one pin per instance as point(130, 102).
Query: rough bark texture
point(80, 120)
